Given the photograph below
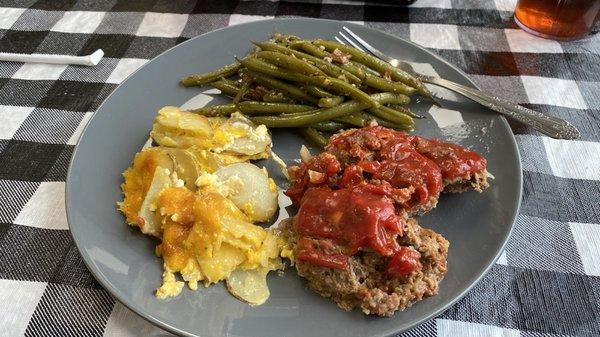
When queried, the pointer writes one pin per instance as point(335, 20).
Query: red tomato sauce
point(341, 222)
point(376, 142)
point(404, 262)
point(325, 165)
point(454, 160)
point(387, 156)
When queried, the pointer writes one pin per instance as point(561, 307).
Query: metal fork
point(548, 125)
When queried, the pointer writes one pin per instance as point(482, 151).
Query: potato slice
point(257, 196)
point(148, 217)
point(221, 264)
point(239, 136)
point(167, 160)
point(185, 164)
point(176, 128)
point(249, 285)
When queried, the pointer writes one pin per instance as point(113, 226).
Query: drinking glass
point(558, 19)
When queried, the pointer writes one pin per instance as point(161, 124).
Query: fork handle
point(548, 125)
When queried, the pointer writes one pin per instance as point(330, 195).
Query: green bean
point(231, 88)
point(310, 48)
point(382, 122)
point(316, 91)
point(266, 108)
point(335, 84)
point(390, 98)
point(405, 111)
point(328, 68)
point(357, 71)
point(385, 85)
point(289, 62)
point(234, 83)
point(202, 79)
point(320, 115)
point(305, 119)
point(328, 102)
point(291, 90)
point(354, 119)
point(347, 89)
point(354, 68)
point(329, 126)
point(396, 99)
point(364, 68)
point(260, 66)
point(276, 97)
point(242, 92)
point(254, 108)
point(370, 61)
point(393, 116)
point(313, 136)
point(216, 110)
point(376, 64)
point(373, 80)
point(227, 87)
point(285, 38)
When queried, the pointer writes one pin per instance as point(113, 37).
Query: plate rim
point(157, 322)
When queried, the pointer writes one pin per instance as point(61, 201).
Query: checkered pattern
point(544, 285)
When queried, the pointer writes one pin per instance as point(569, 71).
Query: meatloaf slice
point(385, 154)
point(364, 283)
point(476, 181)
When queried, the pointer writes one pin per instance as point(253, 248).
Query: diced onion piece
point(305, 154)
point(281, 164)
point(316, 177)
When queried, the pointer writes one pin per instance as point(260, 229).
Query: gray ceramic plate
point(122, 259)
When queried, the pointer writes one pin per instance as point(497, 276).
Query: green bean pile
point(315, 86)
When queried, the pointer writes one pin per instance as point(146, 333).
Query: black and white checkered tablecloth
point(547, 283)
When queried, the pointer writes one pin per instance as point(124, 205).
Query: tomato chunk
point(404, 262)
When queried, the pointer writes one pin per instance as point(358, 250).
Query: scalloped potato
point(175, 128)
point(206, 237)
point(236, 136)
point(198, 194)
